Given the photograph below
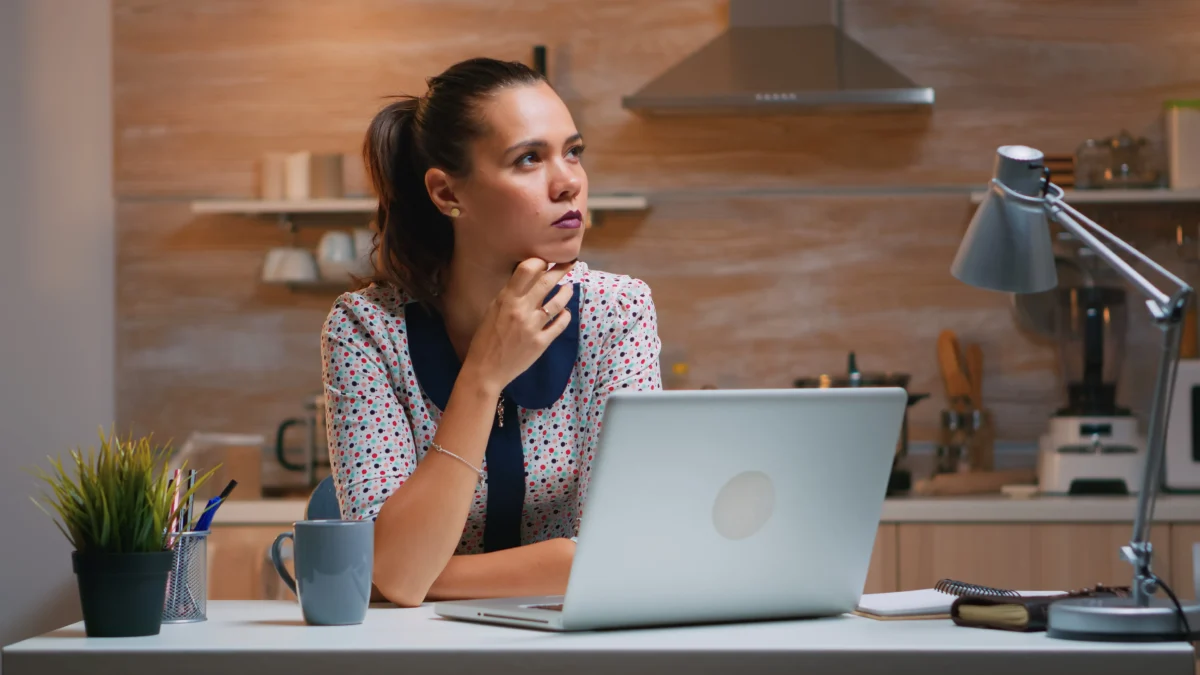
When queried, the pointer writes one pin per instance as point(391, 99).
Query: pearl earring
point(454, 212)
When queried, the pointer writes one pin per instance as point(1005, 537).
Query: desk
point(254, 637)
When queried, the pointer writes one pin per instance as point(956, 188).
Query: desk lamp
point(1007, 247)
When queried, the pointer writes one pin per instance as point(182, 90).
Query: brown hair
point(406, 139)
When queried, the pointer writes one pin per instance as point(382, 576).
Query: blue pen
point(210, 509)
point(207, 516)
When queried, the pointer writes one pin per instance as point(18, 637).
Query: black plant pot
point(122, 594)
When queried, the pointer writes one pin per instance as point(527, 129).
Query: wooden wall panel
point(755, 292)
point(203, 88)
point(750, 293)
point(201, 343)
point(765, 259)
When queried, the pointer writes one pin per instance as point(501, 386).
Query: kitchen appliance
point(901, 478)
point(1092, 445)
point(779, 56)
point(1076, 266)
point(314, 455)
point(1182, 468)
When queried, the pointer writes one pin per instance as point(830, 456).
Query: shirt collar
point(436, 365)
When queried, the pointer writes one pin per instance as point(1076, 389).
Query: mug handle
point(277, 560)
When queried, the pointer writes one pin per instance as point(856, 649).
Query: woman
point(465, 385)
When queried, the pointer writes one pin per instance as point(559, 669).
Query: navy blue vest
point(436, 367)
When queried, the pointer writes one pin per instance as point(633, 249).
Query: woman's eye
point(526, 158)
point(576, 151)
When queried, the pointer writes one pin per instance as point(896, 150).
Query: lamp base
point(1121, 620)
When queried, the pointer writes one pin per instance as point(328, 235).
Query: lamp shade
point(1007, 246)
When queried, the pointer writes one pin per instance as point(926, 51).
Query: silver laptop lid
point(732, 504)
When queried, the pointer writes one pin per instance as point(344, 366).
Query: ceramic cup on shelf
point(289, 265)
point(335, 254)
point(272, 176)
point(297, 176)
point(354, 176)
point(336, 246)
point(325, 179)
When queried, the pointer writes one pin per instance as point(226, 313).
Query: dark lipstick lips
point(570, 219)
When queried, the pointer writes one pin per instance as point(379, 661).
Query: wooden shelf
point(318, 286)
point(272, 206)
point(1116, 196)
point(611, 202)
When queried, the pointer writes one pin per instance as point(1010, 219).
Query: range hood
point(779, 56)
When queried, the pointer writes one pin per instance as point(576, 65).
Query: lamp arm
point(1070, 218)
point(1169, 313)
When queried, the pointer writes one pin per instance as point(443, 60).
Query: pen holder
point(187, 582)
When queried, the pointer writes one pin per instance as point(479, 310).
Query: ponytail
point(416, 240)
point(407, 138)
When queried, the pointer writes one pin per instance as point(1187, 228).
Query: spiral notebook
point(931, 603)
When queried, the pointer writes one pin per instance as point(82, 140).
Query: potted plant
point(118, 508)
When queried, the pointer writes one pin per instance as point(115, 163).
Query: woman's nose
point(565, 183)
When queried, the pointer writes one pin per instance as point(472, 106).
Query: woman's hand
point(517, 327)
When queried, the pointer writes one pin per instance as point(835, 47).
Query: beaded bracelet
point(435, 446)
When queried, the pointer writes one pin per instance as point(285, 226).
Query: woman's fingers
point(545, 283)
point(559, 302)
point(557, 326)
point(527, 273)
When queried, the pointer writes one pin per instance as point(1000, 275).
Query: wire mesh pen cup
point(187, 582)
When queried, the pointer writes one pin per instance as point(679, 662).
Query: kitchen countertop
point(993, 508)
point(248, 637)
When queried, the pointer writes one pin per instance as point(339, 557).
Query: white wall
point(56, 282)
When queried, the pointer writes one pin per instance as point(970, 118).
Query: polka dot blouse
point(388, 369)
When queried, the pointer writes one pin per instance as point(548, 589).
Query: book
point(933, 603)
point(974, 605)
point(1021, 614)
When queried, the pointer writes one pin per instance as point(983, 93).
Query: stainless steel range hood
point(779, 56)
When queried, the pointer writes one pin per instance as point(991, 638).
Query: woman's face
point(526, 193)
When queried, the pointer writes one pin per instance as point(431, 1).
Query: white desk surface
point(1172, 508)
point(264, 636)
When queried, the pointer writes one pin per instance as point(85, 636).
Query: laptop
point(714, 506)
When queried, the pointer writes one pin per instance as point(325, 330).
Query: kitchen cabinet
point(993, 555)
point(1041, 556)
point(1074, 555)
point(1182, 577)
point(239, 568)
point(881, 575)
point(1048, 544)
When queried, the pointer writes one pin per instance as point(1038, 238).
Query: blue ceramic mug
point(333, 561)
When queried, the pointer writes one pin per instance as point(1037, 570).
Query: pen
point(176, 525)
point(190, 499)
point(210, 509)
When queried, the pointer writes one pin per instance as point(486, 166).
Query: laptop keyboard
point(552, 608)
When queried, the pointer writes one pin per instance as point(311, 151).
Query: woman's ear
point(437, 183)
